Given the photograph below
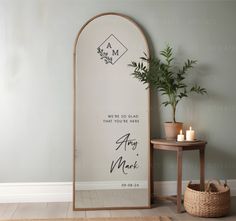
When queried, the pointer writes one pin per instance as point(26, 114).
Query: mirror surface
point(111, 139)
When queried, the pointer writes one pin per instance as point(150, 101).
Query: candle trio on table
point(190, 135)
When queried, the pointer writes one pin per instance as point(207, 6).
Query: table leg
point(202, 169)
point(179, 180)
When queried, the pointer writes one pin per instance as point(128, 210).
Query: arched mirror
point(111, 116)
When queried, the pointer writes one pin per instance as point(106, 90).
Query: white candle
point(190, 134)
point(180, 136)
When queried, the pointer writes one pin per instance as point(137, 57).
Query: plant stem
point(174, 110)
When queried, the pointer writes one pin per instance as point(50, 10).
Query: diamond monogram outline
point(104, 55)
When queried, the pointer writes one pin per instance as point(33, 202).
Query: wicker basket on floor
point(213, 202)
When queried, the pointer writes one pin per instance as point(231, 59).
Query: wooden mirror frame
point(75, 116)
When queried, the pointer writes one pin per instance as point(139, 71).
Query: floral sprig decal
point(104, 56)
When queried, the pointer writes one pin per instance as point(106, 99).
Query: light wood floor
point(63, 210)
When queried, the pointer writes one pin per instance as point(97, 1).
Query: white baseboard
point(35, 192)
point(62, 191)
point(165, 188)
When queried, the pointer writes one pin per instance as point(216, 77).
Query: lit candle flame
point(190, 128)
point(181, 132)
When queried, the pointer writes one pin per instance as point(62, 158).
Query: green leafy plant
point(166, 77)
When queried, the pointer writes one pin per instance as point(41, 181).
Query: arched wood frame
point(74, 113)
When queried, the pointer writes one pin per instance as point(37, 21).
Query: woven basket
point(213, 202)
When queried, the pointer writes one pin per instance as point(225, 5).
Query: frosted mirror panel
point(111, 151)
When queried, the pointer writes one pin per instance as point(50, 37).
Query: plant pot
point(172, 130)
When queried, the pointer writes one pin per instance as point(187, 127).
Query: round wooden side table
point(179, 147)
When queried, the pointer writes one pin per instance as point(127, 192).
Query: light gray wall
point(36, 46)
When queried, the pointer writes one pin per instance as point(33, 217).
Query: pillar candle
point(180, 136)
point(190, 134)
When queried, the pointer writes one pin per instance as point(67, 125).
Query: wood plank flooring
point(64, 210)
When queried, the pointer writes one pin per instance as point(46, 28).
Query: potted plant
point(168, 79)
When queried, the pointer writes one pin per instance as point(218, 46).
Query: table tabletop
point(186, 145)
